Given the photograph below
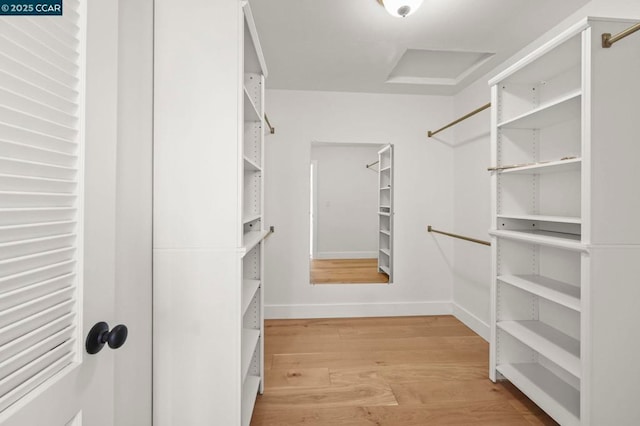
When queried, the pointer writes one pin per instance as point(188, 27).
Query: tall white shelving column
point(385, 211)
point(565, 235)
point(208, 207)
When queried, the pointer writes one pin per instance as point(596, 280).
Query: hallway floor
point(384, 371)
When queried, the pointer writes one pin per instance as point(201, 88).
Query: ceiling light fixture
point(400, 8)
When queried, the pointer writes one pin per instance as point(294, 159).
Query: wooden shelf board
point(250, 340)
point(558, 111)
point(560, 166)
point(384, 213)
point(549, 342)
point(385, 251)
point(252, 238)
point(388, 188)
point(559, 399)
point(542, 218)
point(384, 169)
point(249, 290)
point(251, 113)
point(249, 393)
point(382, 231)
point(553, 239)
point(556, 291)
point(251, 165)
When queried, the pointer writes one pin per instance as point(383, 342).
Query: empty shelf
point(542, 218)
point(574, 164)
point(385, 251)
point(556, 291)
point(553, 239)
point(561, 110)
point(384, 169)
point(253, 238)
point(382, 231)
point(249, 394)
point(559, 399)
point(549, 342)
point(249, 289)
point(250, 218)
point(384, 213)
point(385, 269)
point(250, 111)
point(251, 165)
point(250, 339)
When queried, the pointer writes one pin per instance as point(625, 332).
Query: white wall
point(347, 201)
point(423, 195)
point(472, 263)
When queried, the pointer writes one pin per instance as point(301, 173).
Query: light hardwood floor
point(404, 371)
point(346, 271)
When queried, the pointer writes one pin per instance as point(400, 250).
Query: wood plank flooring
point(346, 271)
point(404, 371)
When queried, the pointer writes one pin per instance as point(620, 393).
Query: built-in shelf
point(559, 399)
point(251, 165)
point(542, 218)
point(251, 113)
point(547, 238)
point(385, 269)
point(385, 189)
point(562, 109)
point(252, 238)
point(560, 166)
point(250, 340)
point(556, 291)
point(251, 218)
point(384, 169)
point(548, 341)
point(382, 231)
point(249, 393)
point(384, 213)
point(249, 290)
point(385, 251)
point(385, 207)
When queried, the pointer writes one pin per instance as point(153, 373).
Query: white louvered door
point(58, 132)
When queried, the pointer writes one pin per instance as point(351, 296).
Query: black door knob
point(100, 334)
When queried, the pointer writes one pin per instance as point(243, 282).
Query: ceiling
point(356, 46)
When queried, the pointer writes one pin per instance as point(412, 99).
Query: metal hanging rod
point(608, 39)
point(368, 166)
point(272, 129)
point(473, 240)
point(453, 123)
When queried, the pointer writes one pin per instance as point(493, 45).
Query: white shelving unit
point(385, 211)
point(209, 225)
point(564, 228)
point(253, 229)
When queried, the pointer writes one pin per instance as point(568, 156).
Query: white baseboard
point(347, 255)
point(355, 310)
point(472, 321)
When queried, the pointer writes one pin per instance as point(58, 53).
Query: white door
point(60, 221)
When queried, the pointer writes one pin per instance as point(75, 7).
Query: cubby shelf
point(250, 340)
point(249, 392)
point(556, 291)
point(547, 238)
point(560, 166)
point(249, 290)
point(542, 218)
point(563, 109)
point(251, 113)
point(552, 394)
point(551, 343)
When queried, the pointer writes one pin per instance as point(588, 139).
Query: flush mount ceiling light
point(400, 8)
